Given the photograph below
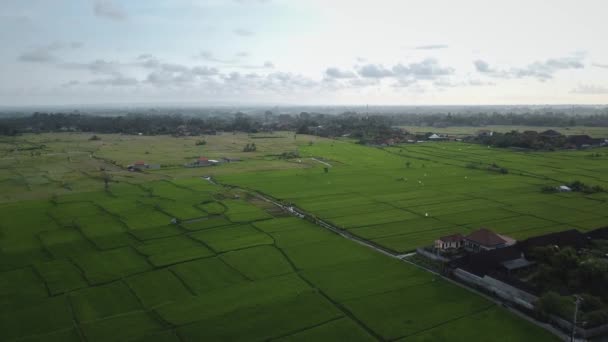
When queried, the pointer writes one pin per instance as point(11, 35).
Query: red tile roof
point(452, 238)
point(140, 162)
point(485, 237)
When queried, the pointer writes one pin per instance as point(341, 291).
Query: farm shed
point(138, 166)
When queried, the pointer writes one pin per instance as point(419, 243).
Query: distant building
point(435, 136)
point(202, 161)
point(139, 165)
point(485, 133)
point(550, 133)
point(564, 188)
point(485, 240)
point(453, 241)
point(583, 140)
point(231, 160)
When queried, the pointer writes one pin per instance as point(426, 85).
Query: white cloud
point(541, 70)
point(431, 47)
point(338, 73)
point(427, 69)
point(46, 53)
point(374, 71)
point(109, 10)
point(117, 81)
point(243, 32)
point(589, 89)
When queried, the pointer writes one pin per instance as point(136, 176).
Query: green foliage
point(551, 303)
point(250, 148)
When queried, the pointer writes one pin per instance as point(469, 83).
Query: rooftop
point(486, 237)
point(452, 238)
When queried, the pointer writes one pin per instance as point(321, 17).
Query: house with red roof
point(485, 240)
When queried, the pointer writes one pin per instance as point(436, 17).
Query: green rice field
point(165, 255)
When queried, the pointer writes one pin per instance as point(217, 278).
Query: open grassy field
point(377, 196)
point(85, 264)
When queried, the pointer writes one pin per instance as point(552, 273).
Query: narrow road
point(322, 162)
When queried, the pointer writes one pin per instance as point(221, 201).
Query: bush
point(552, 303)
point(200, 142)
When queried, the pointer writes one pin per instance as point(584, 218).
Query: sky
point(304, 52)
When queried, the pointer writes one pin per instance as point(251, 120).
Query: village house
point(202, 161)
point(454, 241)
point(484, 240)
point(141, 165)
point(479, 240)
point(485, 133)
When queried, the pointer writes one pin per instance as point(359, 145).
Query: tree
point(107, 178)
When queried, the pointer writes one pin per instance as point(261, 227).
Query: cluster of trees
point(542, 119)
point(577, 186)
point(565, 272)
point(491, 167)
point(547, 140)
point(367, 128)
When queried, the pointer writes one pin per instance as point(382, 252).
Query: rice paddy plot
point(66, 242)
point(232, 237)
point(204, 275)
point(172, 250)
point(240, 211)
point(222, 301)
point(408, 242)
point(128, 327)
point(305, 234)
point(264, 321)
point(155, 232)
point(340, 329)
point(103, 267)
point(103, 301)
point(61, 276)
point(493, 322)
point(399, 313)
point(50, 316)
point(426, 224)
point(258, 262)
point(213, 208)
point(158, 287)
point(361, 278)
point(206, 223)
point(20, 288)
point(360, 220)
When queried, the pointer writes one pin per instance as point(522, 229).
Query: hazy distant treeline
point(356, 124)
